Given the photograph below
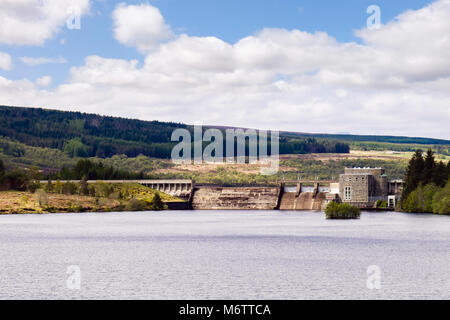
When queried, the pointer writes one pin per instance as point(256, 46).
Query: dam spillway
point(302, 201)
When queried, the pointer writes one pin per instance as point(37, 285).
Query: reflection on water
point(224, 255)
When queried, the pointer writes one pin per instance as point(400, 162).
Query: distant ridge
point(371, 138)
point(352, 137)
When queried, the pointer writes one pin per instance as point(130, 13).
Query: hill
point(89, 135)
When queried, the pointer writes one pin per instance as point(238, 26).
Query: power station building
point(363, 187)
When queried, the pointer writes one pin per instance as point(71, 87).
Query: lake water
point(223, 255)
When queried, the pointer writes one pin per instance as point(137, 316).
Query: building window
point(348, 193)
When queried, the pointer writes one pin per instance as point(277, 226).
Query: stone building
point(363, 187)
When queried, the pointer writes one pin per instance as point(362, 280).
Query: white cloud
point(44, 81)
point(34, 61)
point(141, 26)
point(416, 45)
point(5, 61)
point(32, 22)
point(275, 79)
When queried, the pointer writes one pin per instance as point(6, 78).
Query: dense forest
point(89, 135)
point(427, 185)
point(91, 170)
point(83, 135)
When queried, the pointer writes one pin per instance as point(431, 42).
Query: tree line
point(21, 179)
point(92, 170)
point(17, 179)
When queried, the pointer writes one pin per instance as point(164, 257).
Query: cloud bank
point(397, 81)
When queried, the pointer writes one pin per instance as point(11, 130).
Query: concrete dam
point(361, 187)
point(198, 197)
point(260, 198)
point(235, 198)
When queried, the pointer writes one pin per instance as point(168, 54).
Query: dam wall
point(235, 198)
point(257, 198)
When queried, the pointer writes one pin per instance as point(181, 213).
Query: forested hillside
point(89, 135)
point(83, 135)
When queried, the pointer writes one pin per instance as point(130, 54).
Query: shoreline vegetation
point(427, 185)
point(69, 197)
point(21, 192)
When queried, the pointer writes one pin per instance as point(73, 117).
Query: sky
point(305, 66)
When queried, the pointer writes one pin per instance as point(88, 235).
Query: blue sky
point(310, 66)
point(228, 20)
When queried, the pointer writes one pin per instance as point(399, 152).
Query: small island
point(336, 210)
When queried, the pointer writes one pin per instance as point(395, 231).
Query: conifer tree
point(413, 174)
point(440, 175)
point(427, 173)
point(2, 168)
point(157, 203)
